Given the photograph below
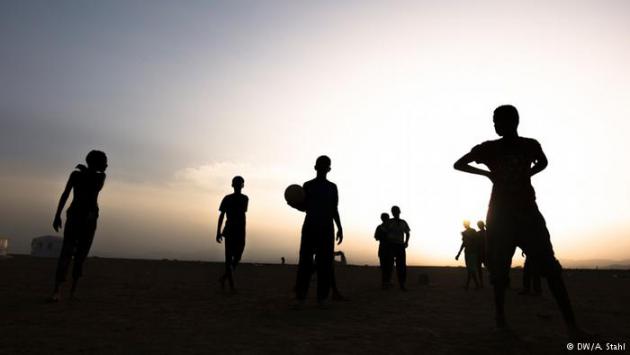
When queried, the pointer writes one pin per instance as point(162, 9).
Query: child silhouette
point(85, 182)
point(234, 206)
point(513, 217)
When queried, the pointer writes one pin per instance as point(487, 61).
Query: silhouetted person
point(380, 234)
point(318, 232)
point(282, 260)
point(471, 254)
point(480, 237)
point(398, 234)
point(234, 206)
point(85, 184)
point(513, 217)
point(530, 277)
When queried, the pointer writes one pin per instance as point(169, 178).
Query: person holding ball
point(320, 204)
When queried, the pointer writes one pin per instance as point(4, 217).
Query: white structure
point(4, 247)
point(48, 246)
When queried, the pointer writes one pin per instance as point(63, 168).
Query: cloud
point(215, 176)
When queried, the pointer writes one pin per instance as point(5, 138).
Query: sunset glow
point(184, 98)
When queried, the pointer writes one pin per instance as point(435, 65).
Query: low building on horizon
point(4, 247)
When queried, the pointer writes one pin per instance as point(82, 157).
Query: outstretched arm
point(219, 236)
point(62, 202)
point(463, 164)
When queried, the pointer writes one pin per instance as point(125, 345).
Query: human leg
point(63, 263)
point(305, 267)
point(500, 248)
point(387, 265)
point(471, 268)
point(537, 245)
point(324, 260)
point(401, 265)
point(70, 239)
point(85, 230)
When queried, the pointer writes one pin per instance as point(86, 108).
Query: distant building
point(4, 247)
point(48, 246)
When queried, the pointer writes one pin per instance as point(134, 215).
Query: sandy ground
point(153, 307)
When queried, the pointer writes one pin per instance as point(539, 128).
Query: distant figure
point(282, 260)
point(234, 206)
point(513, 217)
point(471, 253)
point(342, 257)
point(318, 233)
point(398, 234)
point(380, 234)
point(530, 277)
point(85, 184)
point(480, 237)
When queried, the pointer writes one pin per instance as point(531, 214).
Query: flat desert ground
point(177, 307)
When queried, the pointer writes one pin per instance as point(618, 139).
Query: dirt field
point(154, 307)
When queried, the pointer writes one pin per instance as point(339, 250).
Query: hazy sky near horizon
point(184, 95)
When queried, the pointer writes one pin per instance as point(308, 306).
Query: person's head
point(96, 160)
point(322, 165)
point(238, 182)
point(466, 224)
point(505, 120)
point(384, 217)
point(481, 225)
point(395, 211)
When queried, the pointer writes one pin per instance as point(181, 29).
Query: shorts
point(472, 262)
point(508, 228)
point(234, 242)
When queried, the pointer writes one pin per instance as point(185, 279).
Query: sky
point(182, 96)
